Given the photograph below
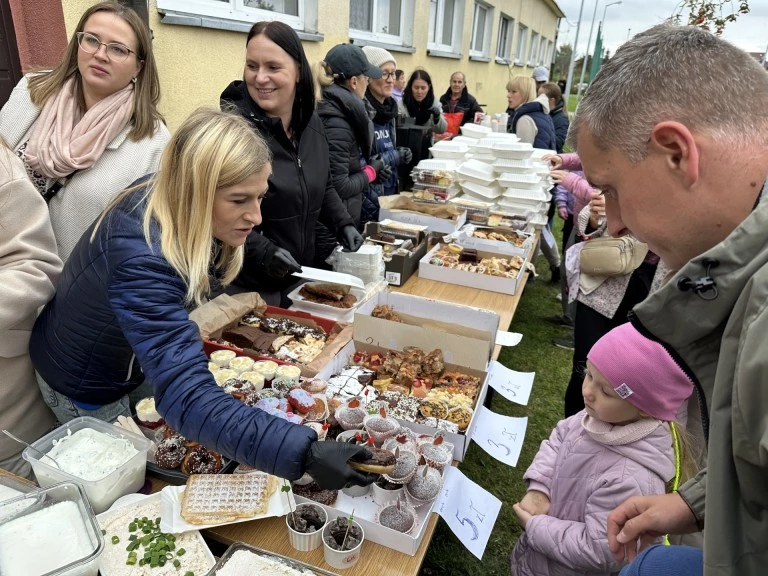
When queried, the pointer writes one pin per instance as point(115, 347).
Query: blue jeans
point(667, 561)
point(65, 410)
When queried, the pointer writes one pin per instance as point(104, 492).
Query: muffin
point(424, 487)
point(147, 414)
point(399, 516)
point(241, 364)
point(406, 463)
point(286, 377)
point(380, 426)
point(256, 379)
point(221, 376)
point(223, 357)
point(351, 415)
point(267, 368)
point(436, 453)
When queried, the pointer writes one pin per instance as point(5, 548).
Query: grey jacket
point(720, 338)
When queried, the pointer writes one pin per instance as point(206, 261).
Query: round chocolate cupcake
point(399, 516)
point(405, 467)
point(425, 486)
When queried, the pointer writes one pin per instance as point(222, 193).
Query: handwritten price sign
point(514, 386)
point(501, 436)
point(469, 510)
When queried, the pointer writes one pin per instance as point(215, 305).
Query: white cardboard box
point(466, 335)
point(460, 441)
point(471, 279)
point(433, 224)
point(496, 246)
point(365, 513)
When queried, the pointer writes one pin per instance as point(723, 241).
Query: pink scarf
point(64, 140)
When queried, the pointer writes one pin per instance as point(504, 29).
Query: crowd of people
point(112, 230)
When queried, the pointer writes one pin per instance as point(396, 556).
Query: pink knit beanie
point(642, 372)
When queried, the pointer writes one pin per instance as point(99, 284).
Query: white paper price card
point(469, 510)
point(514, 386)
point(501, 436)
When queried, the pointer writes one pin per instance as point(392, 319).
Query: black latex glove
point(437, 111)
point(327, 463)
point(406, 156)
point(351, 239)
point(281, 263)
point(383, 170)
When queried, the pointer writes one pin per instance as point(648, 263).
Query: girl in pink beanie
point(624, 443)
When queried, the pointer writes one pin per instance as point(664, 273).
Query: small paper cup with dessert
point(342, 547)
point(437, 452)
point(424, 487)
point(305, 526)
point(351, 415)
point(399, 516)
point(223, 357)
point(380, 426)
point(385, 492)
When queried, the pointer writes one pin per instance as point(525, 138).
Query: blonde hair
point(145, 115)
point(523, 85)
point(210, 150)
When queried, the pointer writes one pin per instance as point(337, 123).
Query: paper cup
point(355, 491)
point(306, 542)
point(342, 559)
point(384, 497)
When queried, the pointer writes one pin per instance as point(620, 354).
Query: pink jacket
point(585, 480)
point(575, 183)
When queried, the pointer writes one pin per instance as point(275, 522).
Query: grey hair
point(679, 73)
point(463, 76)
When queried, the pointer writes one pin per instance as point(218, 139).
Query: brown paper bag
point(224, 310)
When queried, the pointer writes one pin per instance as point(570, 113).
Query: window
point(291, 12)
point(504, 45)
point(481, 31)
point(522, 41)
point(532, 53)
point(379, 19)
point(542, 59)
point(445, 19)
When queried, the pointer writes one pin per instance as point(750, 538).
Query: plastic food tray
point(466, 140)
point(301, 567)
point(486, 192)
point(132, 499)
point(484, 146)
point(476, 171)
point(443, 178)
point(512, 150)
point(475, 130)
point(21, 486)
point(340, 314)
point(533, 194)
point(528, 181)
point(436, 164)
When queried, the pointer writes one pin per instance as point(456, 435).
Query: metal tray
point(303, 568)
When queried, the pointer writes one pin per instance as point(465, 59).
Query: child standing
point(621, 445)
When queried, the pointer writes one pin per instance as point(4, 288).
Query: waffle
point(222, 498)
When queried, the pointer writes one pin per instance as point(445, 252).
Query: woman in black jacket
point(277, 97)
point(346, 117)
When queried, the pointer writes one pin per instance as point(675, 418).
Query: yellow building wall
point(196, 64)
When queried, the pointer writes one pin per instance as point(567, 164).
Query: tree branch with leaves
point(711, 15)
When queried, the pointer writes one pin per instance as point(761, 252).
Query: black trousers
point(589, 326)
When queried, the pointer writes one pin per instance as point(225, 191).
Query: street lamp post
point(586, 56)
point(573, 58)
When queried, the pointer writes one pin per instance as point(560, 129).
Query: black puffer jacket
point(561, 122)
point(300, 194)
point(466, 104)
point(349, 131)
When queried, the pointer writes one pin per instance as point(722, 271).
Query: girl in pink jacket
point(621, 445)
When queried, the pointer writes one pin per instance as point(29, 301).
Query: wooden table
point(375, 560)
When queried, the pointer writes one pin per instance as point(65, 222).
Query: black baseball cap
point(347, 60)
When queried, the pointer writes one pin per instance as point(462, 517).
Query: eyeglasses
point(387, 75)
point(91, 44)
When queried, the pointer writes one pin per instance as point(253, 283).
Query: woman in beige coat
point(29, 267)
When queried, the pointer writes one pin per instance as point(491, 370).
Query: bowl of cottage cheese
point(107, 461)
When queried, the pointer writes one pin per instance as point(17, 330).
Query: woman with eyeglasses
point(277, 96)
point(379, 96)
point(88, 128)
point(120, 317)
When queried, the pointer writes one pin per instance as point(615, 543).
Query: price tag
point(393, 278)
point(469, 510)
point(501, 436)
point(514, 386)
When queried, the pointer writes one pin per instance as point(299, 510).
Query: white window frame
point(542, 61)
point(458, 22)
point(522, 44)
point(406, 9)
point(533, 49)
point(235, 10)
point(504, 53)
point(485, 49)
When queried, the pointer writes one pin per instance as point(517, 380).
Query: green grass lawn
point(446, 556)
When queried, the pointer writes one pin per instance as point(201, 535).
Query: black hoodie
point(300, 193)
point(466, 104)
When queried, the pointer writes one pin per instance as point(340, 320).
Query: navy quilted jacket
point(119, 305)
point(545, 136)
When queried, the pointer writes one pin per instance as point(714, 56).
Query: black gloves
point(350, 238)
point(437, 111)
point(406, 156)
point(280, 263)
point(383, 170)
point(326, 462)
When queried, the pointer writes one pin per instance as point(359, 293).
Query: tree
point(708, 14)
point(562, 59)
